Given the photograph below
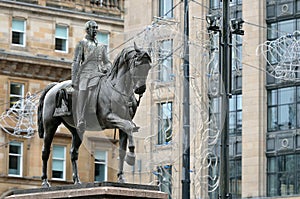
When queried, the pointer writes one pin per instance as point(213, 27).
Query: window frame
point(24, 32)
point(162, 139)
point(165, 59)
point(62, 38)
point(21, 155)
point(163, 173)
point(101, 163)
point(59, 159)
point(162, 9)
point(275, 171)
point(21, 96)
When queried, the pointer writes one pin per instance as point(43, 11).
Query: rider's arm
point(78, 54)
point(105, 60)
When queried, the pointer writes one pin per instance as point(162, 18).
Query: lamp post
point(226, 79)
point(225, 40)
point(186, 109)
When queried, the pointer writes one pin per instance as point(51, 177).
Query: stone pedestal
point(105, 190)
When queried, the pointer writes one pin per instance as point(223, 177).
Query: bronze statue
point(115, 106)
point(89, 58)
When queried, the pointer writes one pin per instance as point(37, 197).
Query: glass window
point(235, 186)
point(165, 179)
point(166, 8)
point(15, 162)
point(282, 175)
point(18, 32)
point(61, 38)
point(164, 123)
point(100, 166)
point(166, 60)
point(59, 162)
point(103, 38)
point(16, 94)
point(282, 109)
point(235, 114)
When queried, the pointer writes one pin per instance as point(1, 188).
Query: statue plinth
point(105, 190)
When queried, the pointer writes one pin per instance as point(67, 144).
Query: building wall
point(36, 65)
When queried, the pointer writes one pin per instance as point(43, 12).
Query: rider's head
point(91, 28)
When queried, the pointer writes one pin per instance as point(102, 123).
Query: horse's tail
point(40, 109)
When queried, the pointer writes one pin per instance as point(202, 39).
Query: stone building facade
point(37, 41)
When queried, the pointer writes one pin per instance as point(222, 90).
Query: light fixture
point(213, 22)
point(236, 26)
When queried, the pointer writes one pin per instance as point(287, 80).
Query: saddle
point(64, 100)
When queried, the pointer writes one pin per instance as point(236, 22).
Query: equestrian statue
point(100, 96)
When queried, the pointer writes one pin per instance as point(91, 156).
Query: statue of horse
point(115, 108)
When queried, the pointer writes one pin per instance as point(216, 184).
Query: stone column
point(254, 102)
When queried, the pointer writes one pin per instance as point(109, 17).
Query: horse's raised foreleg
point(50, 128)
point(122, 152)
point(126, 127)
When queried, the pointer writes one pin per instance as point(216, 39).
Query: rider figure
point(90, 58)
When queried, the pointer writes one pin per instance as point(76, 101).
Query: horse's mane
point(120, 61)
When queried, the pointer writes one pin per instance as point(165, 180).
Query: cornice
point(29, 7)
point(27, 66)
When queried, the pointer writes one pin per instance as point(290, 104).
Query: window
point(165, 60)
point(166, 8)
point(283, 175)
point(164, 123)
point(165, 179)
point(235, 114)
point(61, 38)
point(18, 32)
point(235, 181)
point(283, 108)
point(100, 166)
point(16, 94)
point(59, 162)
point(103, 38)
point(15, 159)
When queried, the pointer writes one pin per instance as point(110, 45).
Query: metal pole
point(226, 77)
point(186, 109)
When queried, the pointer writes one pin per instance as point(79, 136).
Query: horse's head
point(139, 70)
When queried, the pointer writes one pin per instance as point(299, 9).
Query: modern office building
point(263, 109)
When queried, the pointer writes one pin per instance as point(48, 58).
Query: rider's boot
point(81, 109)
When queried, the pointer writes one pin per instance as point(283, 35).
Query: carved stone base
point(105, 190)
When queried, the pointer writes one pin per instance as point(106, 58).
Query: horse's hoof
point(77, 183)
point(45, 184)
point(76, 180)
point(121, 179)
point(130, 158)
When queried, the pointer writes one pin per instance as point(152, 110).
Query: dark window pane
point(272, 164)
point(17, 38)
point(272, 119)
point(273, 185)
point(99, 172)
point(60, 44)
point(57, 174)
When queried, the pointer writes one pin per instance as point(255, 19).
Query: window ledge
point(165, 146)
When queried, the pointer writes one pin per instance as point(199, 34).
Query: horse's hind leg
point(122, 152)
point(50, 129)
point(76, 142)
